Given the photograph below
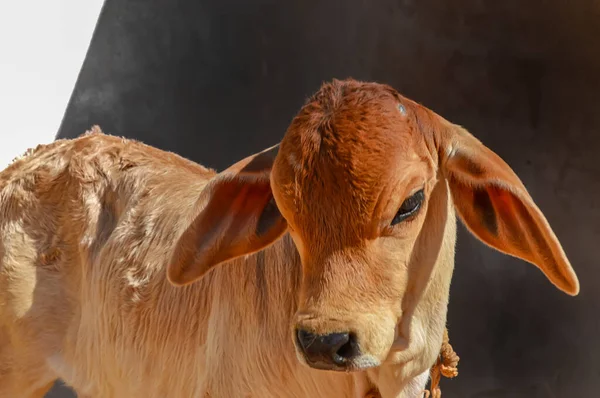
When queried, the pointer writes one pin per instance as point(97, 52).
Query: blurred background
point(216, 81)
point(42, 47)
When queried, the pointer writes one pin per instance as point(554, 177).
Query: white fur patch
point(293, 161)
point(415, 387)
point(366, 362)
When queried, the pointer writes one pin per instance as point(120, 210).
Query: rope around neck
point(446, 365)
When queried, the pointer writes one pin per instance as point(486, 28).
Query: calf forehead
point(346, 145)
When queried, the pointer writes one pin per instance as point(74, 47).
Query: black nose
point(329, 350)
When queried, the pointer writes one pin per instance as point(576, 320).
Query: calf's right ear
point(238, 217)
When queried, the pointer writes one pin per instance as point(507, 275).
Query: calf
point(319, 267)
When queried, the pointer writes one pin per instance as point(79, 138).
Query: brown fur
point(109, 251)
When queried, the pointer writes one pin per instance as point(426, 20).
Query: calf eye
point(410, 206)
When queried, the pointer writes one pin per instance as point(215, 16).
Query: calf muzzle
point(332, 351)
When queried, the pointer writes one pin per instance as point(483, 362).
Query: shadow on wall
point(216, 81)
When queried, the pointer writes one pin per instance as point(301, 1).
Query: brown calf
point(336, 250)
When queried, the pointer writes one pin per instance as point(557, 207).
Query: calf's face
point(362, 181)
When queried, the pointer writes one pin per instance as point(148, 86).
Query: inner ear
point(270, 215)
point(484, 207)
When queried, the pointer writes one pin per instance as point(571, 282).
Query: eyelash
point(409, 207)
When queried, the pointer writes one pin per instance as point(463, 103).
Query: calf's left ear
point(495, 206)
point(238, 217)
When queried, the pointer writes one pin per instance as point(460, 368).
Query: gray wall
point(216, 81)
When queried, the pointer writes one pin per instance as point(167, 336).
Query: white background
point(42, 47)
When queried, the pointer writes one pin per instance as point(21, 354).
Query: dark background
point(216, 81)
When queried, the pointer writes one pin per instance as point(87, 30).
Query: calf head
point(367, 183)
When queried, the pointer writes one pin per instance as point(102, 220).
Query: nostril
point(348, 350)
point(304, 339)
point(334, 348)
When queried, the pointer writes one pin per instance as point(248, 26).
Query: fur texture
point(128, 271)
